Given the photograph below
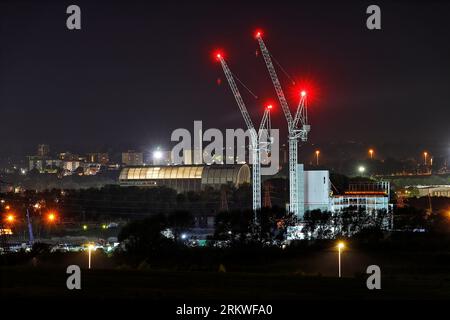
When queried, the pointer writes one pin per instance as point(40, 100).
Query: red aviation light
point(305, 88)
point(218, 55)
point(269, 107)
point(258, 34)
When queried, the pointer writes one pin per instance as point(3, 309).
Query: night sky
point(139, 69)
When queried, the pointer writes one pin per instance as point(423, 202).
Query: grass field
point(135, 284)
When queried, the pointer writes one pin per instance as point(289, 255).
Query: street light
point(340, 246)
point(90, 247)
point(10, 218)
point(157, 154)
point(371, 153)
point(361, 169)
point(51, 217)
point(425, 156)
point(317, 157)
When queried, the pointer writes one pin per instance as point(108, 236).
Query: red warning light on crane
point(269, 107)
point(305, 88)
point(218, 55)
point(258, 33)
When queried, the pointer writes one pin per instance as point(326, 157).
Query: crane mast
point(256, 140)
point(275, 81)
point(296, 205)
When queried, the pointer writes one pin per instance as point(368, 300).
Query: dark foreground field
point(161, 285)
point(416, 268)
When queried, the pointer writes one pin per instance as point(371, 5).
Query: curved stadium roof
point(206, 175)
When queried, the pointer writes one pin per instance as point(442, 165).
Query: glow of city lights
point(157, 154)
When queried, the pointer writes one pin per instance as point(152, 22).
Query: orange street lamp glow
point(10, 218)
point(51, 217)
point(7, 207)
point(317, 157)
point(371, 153)
point(425, 156)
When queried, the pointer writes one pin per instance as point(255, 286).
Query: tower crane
point(258, 142)
point(298, 128)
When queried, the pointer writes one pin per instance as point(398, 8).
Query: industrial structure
point(298, 128)
point(259, 140)
point(367, 197)
point(316, 189)
point(433, 191)
point(186, 178)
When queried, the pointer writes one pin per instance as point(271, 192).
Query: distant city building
point(38, 161)
point(35, 162)
point(53, 163)
point(185, 178)
point(132, 158)
point(98, 157)
point(434, 191)
point(91, 169)
point(68, 156)
point(71, 166)
point(43, 150)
